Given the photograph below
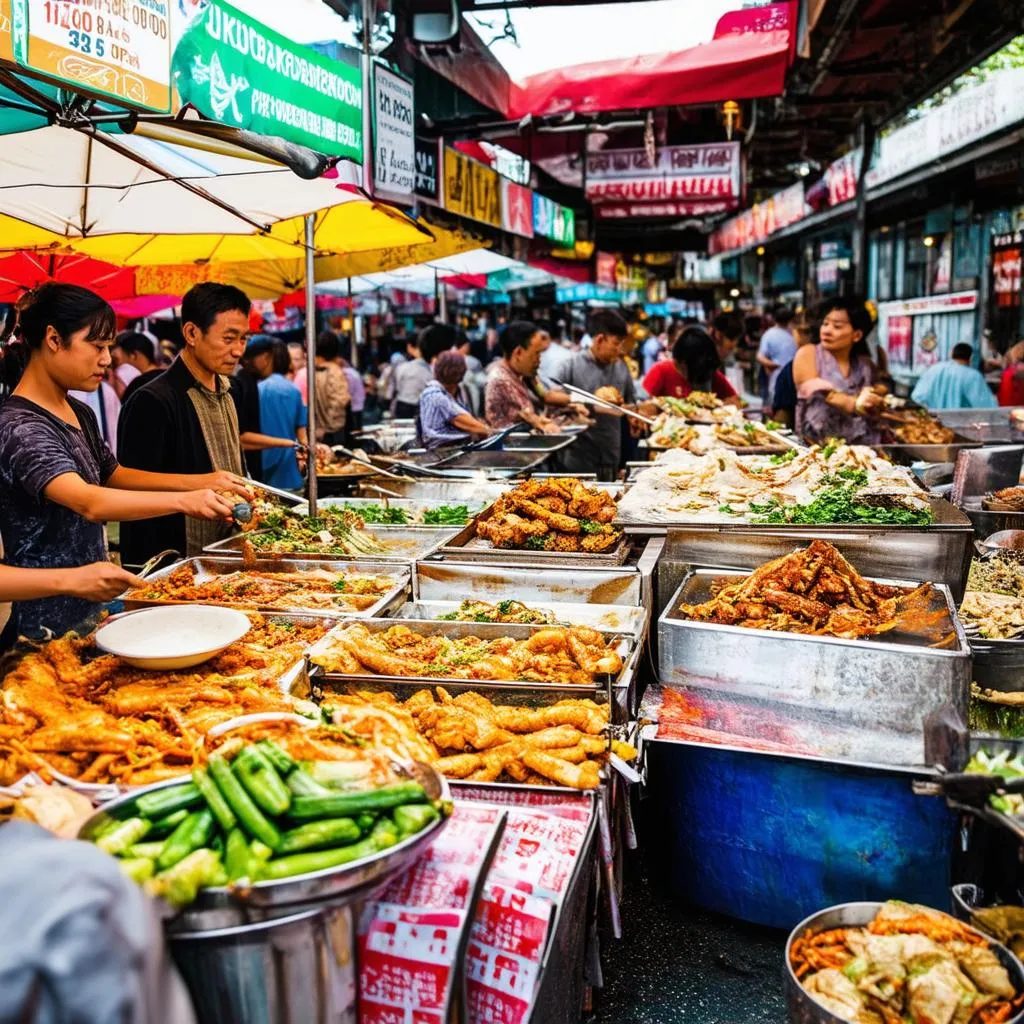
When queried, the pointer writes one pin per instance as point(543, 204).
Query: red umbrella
point(24, 270)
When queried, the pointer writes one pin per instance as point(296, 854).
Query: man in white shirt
point(777, 348)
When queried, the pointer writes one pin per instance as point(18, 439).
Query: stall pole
point(354, 333)
point(443, 306)
point(311, 360)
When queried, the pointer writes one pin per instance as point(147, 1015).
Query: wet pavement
point(681, 965)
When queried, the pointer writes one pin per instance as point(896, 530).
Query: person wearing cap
point(282, 411)
point(441, 419)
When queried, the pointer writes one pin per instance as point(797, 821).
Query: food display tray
point(406, 544)
point(625, 644)
point(940, 553)
point(905, 454)
point(538, 442)
point(877, 682)
point(606, 618)
point(411, 505)
point(987, 522)
point(439, 581)
point(493, 463)
point(207, 568)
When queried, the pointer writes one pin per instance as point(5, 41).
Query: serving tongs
point(969, 793)
point(476, 446)
point(619, 410)
point(362, 459)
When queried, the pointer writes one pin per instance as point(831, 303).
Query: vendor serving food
point(837, 394)
point(59, 482)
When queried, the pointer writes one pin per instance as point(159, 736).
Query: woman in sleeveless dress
point(834, 379)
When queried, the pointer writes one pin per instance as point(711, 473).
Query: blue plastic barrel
point(772, 840)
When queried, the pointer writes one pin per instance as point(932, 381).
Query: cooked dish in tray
point(918, 426)
point(909, 964)
point(832, 483)
point(814, 590)
point(677, 432)
point(1002, 572)
point(475, 610)
point(469, 737)
point(332, 531)
point(557, 654)
point(557, 514)
point(383, 514)
point(994, 616)
point(1007, 499)
point(700, 407)
point(99, 720)
point(315, 589)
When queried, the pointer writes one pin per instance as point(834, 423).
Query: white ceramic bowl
point(177, 636)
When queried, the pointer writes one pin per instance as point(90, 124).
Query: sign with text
point(394, 137)
point(241, 73)
point(428, 183)
point(516, 208)
point(471, 189)
point(115, 50)
point(551, 220)
point(756, 224)
point(6, 37)
point(679, 175)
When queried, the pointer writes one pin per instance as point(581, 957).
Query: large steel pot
point(801, 1008)
point(296, 968)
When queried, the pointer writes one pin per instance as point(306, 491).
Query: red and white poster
point(604, 269)
point(680, 175)
point(516, 208)
point(899, 330)
point(1006, 261)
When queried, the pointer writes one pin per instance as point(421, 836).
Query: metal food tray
point(606, 618)
point(331, 883)
point(905, 454)
point(547, 443)
point(405, 544)
point(438, 581)
point(873, 682)
point(211, 568)
point(986, 522)
point(411, 505)
point(626, 646)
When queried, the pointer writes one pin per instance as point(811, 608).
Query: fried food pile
point(996, 616)
point(319, 589)
point(556, 514)
point(813, 590)
point(910, 963)
point(700, 407)
point(475, 610)
point(917, 426)
point(1007, 499)
point(678, 432)
point(97, 719)
point(469, 737)
point(554, 654)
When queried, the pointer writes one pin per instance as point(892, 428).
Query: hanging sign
point(115, 50)
point(241, 73)
point(394, 138)
point(550, 220)
point(678, 174)
point(471, 189)
point(428, 184)
point(516, 208)
point(6, 38)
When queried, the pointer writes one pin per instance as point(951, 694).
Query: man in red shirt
point(694, 366)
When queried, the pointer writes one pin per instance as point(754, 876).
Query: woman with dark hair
point(59, 483)
point(694, 366)
point(441, 418)
point(835, 379)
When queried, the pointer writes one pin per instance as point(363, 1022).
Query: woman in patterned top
point(441, 419)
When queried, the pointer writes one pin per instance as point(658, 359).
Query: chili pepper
point(304, 863)
point(261, 781)
point(280, 759)
point(161, 802)
point(138, 869)
point(413, 818)
point(193, 833)
point(301, 783)
point(127, 834)
point(214, 799)
point(150, 850)
point(181, 884)
point(318, 834)
point(165, 826)
point(343, 805)
point(365, 821)
point(249, 815)
point(236, 855)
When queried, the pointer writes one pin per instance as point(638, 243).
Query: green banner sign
point(241, 73)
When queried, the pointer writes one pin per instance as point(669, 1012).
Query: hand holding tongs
point(610, 406)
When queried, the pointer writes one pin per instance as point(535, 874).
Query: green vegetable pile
point(837, 503)
point(1007, 768)
point(383, 515)
point(447, 515)
point(262, 817)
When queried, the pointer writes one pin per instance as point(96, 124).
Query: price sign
point(114, 49)
point(394, 137)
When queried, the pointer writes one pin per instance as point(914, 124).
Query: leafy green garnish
point(339, 585)
point(838, 504)
point(535, 543)
point(504, 607)
point(831, 447)
point(386, 515)
point(727, 510)
point(773, 425)
point(590, 526)
point(447, 515)
point(782, 457)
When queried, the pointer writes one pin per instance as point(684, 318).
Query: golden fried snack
point(458, 766)
point(582, 776)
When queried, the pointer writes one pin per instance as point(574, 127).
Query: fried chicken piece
point(591, 653)
point(595, 543)
point(555, 520)
point(458, 766)
point(582, 776)
point(553, 504)
point(455, 728)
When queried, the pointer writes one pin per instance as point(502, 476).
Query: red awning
point(748, 57)
point(24, 270)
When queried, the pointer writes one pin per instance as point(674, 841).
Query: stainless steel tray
point(331, 883)
point(624, 643)
point(455, 490)
point(414, 507)
point(873, 683)
point(404, 545)
point(937, 554)
point(986, 523)
point(905, 454)
point(980, 470)
point(606, 618)
point(538, 442)
point(499, 463)
point(210, 568)
point(440, 581)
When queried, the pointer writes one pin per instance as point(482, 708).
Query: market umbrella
point(136, 201)
point(21, 271)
